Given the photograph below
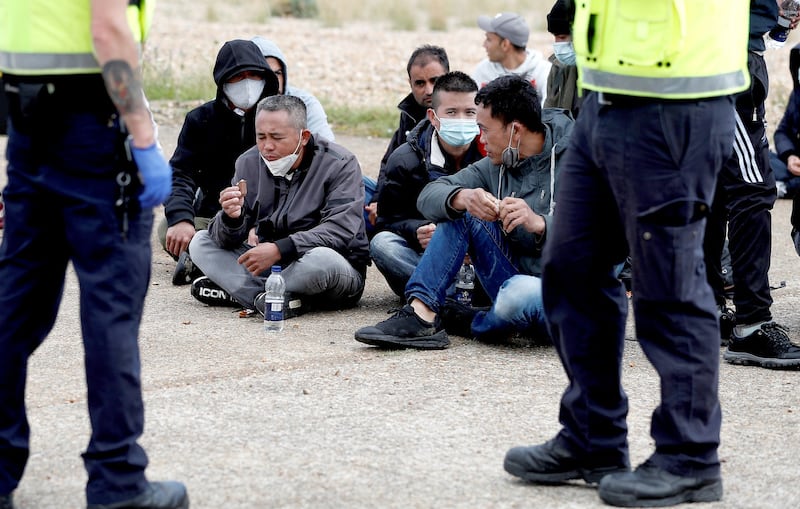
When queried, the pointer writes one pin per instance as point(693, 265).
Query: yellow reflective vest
point(672, 49)
point(53, 37)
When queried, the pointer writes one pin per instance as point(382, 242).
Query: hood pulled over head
point(270, 49)
point(237, 56)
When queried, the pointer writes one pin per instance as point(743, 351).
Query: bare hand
point(178, 237)
point(260, 258)
point(477, 202)
point(424, 234)
point(252, 238)
point(516, 212)
point(372, 210)
point(232, 201)
point(793, 165)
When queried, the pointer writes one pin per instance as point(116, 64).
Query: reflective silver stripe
point(22, 62)
point(665, 87)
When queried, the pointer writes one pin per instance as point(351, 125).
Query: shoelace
point(777, 334)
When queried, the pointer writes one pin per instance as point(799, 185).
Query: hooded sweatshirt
point(535, 69)
point(213, 136)
point(534, 180)
point(317, 119)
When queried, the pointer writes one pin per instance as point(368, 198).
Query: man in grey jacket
point(301, 208)
point(498, 210)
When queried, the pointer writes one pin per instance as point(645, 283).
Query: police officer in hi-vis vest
point(84, 173)
point(640, 170)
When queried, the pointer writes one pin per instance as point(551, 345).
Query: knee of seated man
point(517, 293)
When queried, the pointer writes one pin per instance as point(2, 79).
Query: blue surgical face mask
point(457, 132)
point(565, 52)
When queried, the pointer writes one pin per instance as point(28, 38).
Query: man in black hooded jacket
point(212, 137)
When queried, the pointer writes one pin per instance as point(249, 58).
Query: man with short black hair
point(506, 43)
point(498, 210)
point(425, 64)
point(441, 144)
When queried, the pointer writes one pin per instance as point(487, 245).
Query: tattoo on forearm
point(123, 85)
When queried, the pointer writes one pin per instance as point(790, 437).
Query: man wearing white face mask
point(562, 82)
point(498, 210)
point(441, 144)
point(304, 199)
point(213, 136)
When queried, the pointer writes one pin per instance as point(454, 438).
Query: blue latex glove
point(155, 173)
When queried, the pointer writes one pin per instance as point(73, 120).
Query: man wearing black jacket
point(425, 65)
point(212, 137)
point(441, 144)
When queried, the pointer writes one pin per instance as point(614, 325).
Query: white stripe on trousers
point(746, 154)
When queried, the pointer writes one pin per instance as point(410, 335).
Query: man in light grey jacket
point(301, 208)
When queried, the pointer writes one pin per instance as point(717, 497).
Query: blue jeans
point(60, 202)
point(517, 298)
point(394, 259)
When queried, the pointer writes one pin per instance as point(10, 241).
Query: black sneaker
point(457, 318)
point(551, 463)
point(157, 495)
point(6, 501)
point(652, 486)
point(405, 330)
point(796, 240)
point(209, 292)
point(185, 271)
point(293, 305)
point(727, 321)
point(768, 347)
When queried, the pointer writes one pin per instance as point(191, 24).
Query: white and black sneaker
point(210, 293)
point(293, 305)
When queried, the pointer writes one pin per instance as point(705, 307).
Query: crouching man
point(300, 207)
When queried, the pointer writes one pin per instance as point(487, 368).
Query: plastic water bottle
point(465, 284)
point(776, 37)
point(275, 288)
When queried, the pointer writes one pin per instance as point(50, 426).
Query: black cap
point(560, 18)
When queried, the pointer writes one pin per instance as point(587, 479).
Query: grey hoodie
point(534, 179)
point(317, 119)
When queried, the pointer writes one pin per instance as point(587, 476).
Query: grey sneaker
point(768, 347)
point(405, 330)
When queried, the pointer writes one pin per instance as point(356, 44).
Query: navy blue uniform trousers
point(640, 173)
point(60, 207)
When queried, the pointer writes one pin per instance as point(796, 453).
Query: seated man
point(302, 210)
point(212, 137)
point(424, 66)
point(498, 210)
point(506, 53)
point(317, 119)
point(440, 145)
